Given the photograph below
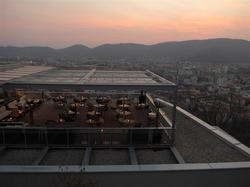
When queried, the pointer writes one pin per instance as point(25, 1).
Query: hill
point(212, 50)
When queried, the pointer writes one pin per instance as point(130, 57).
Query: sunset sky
point(61, 23)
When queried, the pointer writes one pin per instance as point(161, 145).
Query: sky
point(61, 23)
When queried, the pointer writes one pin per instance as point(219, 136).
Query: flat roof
point(19, 72)
point(93, 76)
point(198, 143)
point(91, 79)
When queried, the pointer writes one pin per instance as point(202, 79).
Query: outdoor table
point(102, 99)
point(74, 105)
point(151, 115)
point(126, 122)
point(2, 101)
point(99, 106)
point(91, 122)
point(70, 112)
point(83, 100)
point(124, 106)
point(140, 106)
point(60, 104)
point(36, 101)
point(93, 113)
point(124, 99)
point(123, 113)
point(30, 100)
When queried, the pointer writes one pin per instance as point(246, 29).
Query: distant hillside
point(211, 50)
point(75, 50)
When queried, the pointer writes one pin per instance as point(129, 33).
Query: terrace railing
point(84, 137)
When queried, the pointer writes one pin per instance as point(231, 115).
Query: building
point(128, 140)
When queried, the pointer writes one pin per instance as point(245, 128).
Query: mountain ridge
point(214, 50)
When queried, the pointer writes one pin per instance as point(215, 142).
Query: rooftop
point(63, 76)
point(194, 142)
point(89, 80)
point(198, 144)
point(9, 74)
point(51, 140)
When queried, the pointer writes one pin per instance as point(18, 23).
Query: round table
point(123, 113)
point(70, 112)
point(103, 99)
point(124, 99)
point(83, 99)
point(124, 106)
point(99, 106)
point(126, 122)
point(152, 115)
point(91, 122)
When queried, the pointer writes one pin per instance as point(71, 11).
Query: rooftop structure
point(92, 80)
point(93, 128)
point(15, 73)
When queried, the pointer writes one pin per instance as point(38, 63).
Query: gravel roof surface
point(19, 156)
point(63, 157)
point(150, 156)
point(197, 145)
point(109, 157)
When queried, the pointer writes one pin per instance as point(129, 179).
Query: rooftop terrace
point(73, 130)
point(193, 142)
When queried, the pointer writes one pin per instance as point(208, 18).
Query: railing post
point(46, 137)
point(88, 139)
point(111, 140)
point(150, 141)
point(174, 108)
point(157, 116)
point(25, 138)
point(174, 115)
point(39, 137)
point(130, 137)
point(3, 131)
point(67, 131)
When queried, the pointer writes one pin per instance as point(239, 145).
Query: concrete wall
point(201, 178)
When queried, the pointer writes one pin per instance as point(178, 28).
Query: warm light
point(62, 23)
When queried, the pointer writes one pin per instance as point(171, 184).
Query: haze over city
point(61, 23)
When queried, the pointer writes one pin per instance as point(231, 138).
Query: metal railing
point(83, 137)
point(163, 119)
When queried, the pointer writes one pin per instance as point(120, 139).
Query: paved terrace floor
point(49, 110)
